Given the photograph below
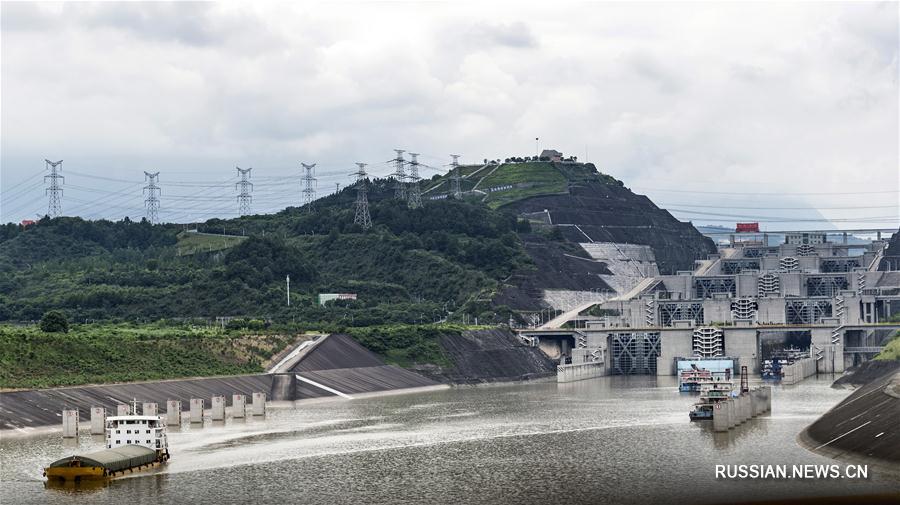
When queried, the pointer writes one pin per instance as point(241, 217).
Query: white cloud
point(796, 97)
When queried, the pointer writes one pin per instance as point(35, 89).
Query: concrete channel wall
point(579, 371)
point(798, 371)
point(335, 363)
point(734, 411)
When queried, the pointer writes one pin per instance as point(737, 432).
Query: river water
point(607, 440)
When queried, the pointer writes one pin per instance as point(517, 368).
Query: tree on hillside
point(54, 321)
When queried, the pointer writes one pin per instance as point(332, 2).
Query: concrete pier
point(123, 409)
point(173, 412)
point(720, 416)
point(238, 405)
point(218, 408)
point(70, 423)
point(150, 409)
point(798, 371)
point(580, 371)
point(731, 412)
point(196, 412)
point(98, 420)
point(259, 404)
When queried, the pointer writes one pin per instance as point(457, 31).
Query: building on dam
point(746, 302)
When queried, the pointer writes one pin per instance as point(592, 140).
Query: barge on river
point(710, 394)
point(133, 443)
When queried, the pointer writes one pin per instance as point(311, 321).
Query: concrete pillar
point(238, 405)
point(218, 408)
point(98, 420)
point(173, 413)
point(259, 404)
point(732, 413)
point(745, 402)
point(123, 409)
point(197, 410)
point(150, 409)
point(720, 417)
point(70, 423)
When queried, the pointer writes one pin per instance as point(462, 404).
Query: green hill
point(495, 248)
point(413, 266)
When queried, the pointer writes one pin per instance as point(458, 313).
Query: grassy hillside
point(192, 243)
point(508, 182)
point(102, 353)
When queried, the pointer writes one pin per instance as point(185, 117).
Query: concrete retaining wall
point(581, 371)
point(734, 411)
point(798, 371)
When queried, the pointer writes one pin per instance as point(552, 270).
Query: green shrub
point(54, 321)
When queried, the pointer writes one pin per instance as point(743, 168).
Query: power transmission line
point(752, 193)
point(414, 197)
point(309, 191)
point(454, 168)
point(400, 175)
point(246, 187)
point(362, 217)
point(152, 201)
point(54, 192)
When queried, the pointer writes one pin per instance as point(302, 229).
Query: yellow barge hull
point(64, 474)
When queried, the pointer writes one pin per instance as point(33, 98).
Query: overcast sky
point(722, 98)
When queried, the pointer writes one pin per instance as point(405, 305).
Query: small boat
point(133, 443)
point(711, 393)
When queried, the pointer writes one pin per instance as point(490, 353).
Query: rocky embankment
point(866, 373)
point(613, 213)
point(494, 355)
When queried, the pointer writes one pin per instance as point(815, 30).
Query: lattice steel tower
point(414, 197)
point(152, 201)
point(400, 175)
point(362, 216)
point(54, 192)
point(309, 186)
point(455, 192)
point(246, 187)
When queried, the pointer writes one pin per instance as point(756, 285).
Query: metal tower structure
point(309, 186)
point(152, 201)
point(414, 195)
point(455, 177)
point(54, 192)
point(400, 175)
point(362, 216)
point(246, 187)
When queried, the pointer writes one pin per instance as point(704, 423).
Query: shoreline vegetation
point(105, 353)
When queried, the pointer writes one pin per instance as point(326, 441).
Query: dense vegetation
point(414, 266)
point(31, 358)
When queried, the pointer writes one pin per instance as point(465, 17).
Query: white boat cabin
point(146, 431)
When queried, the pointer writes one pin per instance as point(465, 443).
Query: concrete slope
point(360, 380)
point(21, 409)
point(341, 363)
point(337, 351)
point(865, 426)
